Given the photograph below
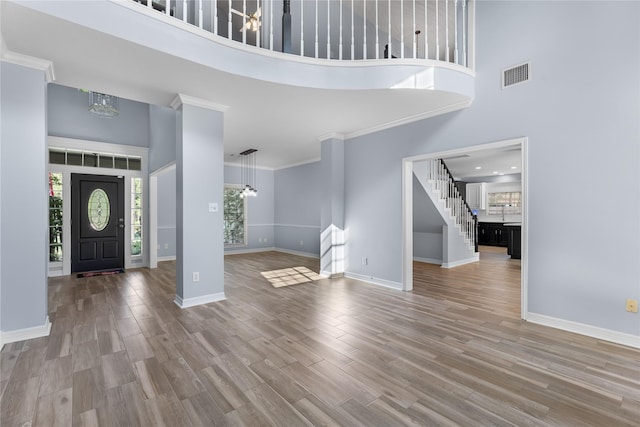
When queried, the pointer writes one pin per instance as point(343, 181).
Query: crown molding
point(411, 119)
point(331, 135)
point(182, 99)
point(29, 62)
point(293, 165)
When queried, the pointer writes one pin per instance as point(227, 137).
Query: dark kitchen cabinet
point(493, 234)
point(515, 241)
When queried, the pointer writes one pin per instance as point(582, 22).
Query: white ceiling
point(486, 163)
point(283, 122)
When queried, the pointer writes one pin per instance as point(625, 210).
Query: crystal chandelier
point(103, 105)
point(248, 173)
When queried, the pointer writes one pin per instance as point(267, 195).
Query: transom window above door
point(64, 156)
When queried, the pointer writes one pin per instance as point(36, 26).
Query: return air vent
point(516, 75)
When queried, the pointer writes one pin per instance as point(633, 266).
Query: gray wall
point(162, 136)
point(167, 215)
point(427, 225)
point(69, 117)
point(24, 222)
point(297, 208)
point(581, 119)
point(260, 209)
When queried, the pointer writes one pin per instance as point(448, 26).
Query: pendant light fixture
point(103, 105)
point(248, 158)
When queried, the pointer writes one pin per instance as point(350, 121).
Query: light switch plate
point(213, 207)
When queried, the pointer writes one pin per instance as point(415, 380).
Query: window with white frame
point(234, 216)
point(505, 203)
point(55, 217)
point(136, 216)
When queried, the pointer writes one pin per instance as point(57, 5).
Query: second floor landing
point(286, 99)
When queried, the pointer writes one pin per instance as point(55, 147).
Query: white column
point(199, 201)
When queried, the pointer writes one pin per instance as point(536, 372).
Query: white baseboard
point(304, 254)
point(204, 299)
point(270, 249)
point(329, 275)
point(428, 260)
point(588, 330)
point(166, 258)
point(475, 258)
point(248, 251)
point(25, 334)
point(375, 281)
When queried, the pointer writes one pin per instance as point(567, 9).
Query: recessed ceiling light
point(478, 167)
point(495, 172)
point(514, 167)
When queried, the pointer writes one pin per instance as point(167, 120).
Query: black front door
point(97, 222)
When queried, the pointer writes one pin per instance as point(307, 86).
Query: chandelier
point(103, 105)
point(248, 173)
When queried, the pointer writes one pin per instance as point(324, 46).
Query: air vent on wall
point(516, 75)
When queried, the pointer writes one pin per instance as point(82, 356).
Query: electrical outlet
point(264, 240)
point(301, 242)
point(632, 305)
point(196, 276)
point(166, 246)
point(365, 261)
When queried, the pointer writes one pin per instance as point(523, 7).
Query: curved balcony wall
point(439, 59)
point(336, 29)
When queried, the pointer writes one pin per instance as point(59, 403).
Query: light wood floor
point(329, 352)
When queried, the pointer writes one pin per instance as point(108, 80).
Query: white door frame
point(153, 211)
point(407, 211)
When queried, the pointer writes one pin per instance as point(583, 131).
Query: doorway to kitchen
point(496, 257)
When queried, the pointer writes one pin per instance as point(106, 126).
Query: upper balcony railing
point(440, 30)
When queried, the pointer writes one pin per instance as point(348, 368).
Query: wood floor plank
point(116, 369)
point(57, 375)
point(152, 378)
point(54, 409)
point(166, 411)
point(327, 352)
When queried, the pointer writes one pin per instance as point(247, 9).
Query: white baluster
point(271, 25)
point(340, 35)
point(377, 33)
point(426, 30)
point(302, 28)
point(437, 33)
point(389, 31)
point(214, 16)
point(446, 28)
point(200, 15)
point(316, 28)
point(415, 39)
point(364, 33)
point(455, 31)
point(150, 4)
point(185, 11)
point(259, 30)
point(401, 28)
point(244, 22)
point(464, 32)
point(229, 26)
point(353, 39)
point(168, 9)
point(328, 29)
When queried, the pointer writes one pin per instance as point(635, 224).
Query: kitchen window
point(505, 203)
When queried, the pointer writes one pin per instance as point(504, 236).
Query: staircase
point(460, 243)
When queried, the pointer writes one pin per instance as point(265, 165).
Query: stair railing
point(442, 179)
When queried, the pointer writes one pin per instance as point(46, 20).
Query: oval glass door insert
point(98, 209)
